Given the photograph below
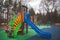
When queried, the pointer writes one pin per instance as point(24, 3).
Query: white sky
point(35, 5)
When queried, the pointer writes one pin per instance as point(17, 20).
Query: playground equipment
point(25, 17)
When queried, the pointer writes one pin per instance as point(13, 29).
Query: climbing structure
point(25, 17)
point(17, 23)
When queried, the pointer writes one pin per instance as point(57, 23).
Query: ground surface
point(55, 31)
point(32, 35)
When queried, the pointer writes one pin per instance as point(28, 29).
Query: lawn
point(31, 32)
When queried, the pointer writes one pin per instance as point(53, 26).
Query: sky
point(37, 5)
point(33, 4)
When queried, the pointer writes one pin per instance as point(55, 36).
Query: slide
point(16, 30)
point(36, 29)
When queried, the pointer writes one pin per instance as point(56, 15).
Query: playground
point(32, 35)
point(15, 26)
point(19, 22)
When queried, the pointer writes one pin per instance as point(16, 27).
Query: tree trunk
point(35, 19)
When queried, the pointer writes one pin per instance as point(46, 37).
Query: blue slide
point(35, 28)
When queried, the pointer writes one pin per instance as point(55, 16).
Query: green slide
point(11, 24)
point(16, 30)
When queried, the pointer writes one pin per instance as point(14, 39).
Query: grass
point(31, 32)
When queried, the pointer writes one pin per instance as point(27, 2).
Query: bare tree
point(32, 14)
point(50, 12)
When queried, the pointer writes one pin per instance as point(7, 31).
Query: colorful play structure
point(24, 17)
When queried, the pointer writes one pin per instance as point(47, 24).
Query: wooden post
point(23, 29)
point(26, 28)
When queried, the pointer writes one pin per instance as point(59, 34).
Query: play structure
point(24, 17)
